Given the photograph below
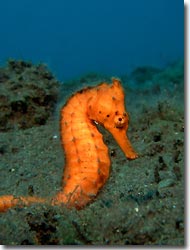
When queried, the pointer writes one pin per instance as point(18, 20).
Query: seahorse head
point(107, 107)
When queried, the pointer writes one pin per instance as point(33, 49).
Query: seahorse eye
point(120, 121)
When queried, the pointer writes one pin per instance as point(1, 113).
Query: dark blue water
point(107, 36)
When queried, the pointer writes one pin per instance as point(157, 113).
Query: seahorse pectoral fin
point(121, 138)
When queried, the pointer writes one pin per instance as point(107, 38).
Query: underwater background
point(50, 50)
point(75, 37)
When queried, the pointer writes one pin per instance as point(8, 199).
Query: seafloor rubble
point(28, 94)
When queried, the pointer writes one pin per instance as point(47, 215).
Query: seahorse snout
point(119, 134)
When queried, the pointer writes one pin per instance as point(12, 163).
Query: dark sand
point(143, 201)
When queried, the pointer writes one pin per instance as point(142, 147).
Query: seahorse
point(87, 162)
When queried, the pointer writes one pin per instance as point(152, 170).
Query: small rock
point(166, 183)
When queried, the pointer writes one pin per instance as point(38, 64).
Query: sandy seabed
point(143, 201)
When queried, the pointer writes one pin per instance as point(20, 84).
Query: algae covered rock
point(28, 94)
point(144, 73)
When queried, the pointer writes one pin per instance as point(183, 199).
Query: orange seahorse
point(87, 163)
